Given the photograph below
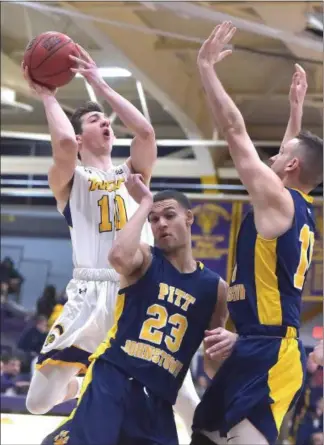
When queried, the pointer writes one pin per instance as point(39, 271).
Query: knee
point(34, 404)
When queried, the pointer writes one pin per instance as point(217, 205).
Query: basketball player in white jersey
point(94, 199)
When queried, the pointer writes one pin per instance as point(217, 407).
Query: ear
point(292, 165)
point(190, 218)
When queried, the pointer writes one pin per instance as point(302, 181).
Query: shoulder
point(207, 273)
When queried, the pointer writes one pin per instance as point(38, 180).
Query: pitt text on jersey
point(154, 330)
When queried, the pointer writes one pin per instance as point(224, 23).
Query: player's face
point(97, 135)
point(285, 161)
point(170, 224)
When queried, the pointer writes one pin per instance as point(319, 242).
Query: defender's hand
point(212, 50)
point(219, 343)
point(87, 67)
point(39, 90)
point(137, 189)
point(298, 87)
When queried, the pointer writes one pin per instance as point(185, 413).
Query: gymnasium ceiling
point(158, 42)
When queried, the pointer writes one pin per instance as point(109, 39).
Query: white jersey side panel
point(98, 207)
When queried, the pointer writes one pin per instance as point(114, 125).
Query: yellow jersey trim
point(266, 282)
point(120, 303)
point(304, 195)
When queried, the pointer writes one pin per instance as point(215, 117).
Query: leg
point(244, 433)
point(99, 414)
point(51, 385)
point(187, 402)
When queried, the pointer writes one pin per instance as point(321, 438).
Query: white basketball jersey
point(98, 207)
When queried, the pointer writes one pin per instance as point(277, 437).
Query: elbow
point(118, 260)
point(115, 257)
point(234, 127)
point(147, 133)
point(67, 142)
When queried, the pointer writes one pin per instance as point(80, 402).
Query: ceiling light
point(7, 94)
point(112, 72)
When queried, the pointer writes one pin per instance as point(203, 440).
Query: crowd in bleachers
point(23, 334)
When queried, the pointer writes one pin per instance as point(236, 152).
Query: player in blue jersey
point(262, 379)
point(166, 303)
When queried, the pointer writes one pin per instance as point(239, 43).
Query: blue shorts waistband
point(269, 331)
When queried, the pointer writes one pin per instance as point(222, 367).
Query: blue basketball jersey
point(269, 275)
point(160, 323)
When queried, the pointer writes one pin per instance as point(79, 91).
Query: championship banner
point(213, 234)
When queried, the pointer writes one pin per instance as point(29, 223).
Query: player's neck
point(101, 162)
point(292, 184)
point(182, 260)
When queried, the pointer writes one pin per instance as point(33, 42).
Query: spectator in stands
point(47, 301)
point(311, 425)
point(12, 383)
point(307, 401)
point(10, 276)
point(32, 339)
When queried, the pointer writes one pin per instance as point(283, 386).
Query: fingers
point(224, 54)
point(83, 53)
point(80, 61)
point(225, 32)
point(300, 69)
point(214, 331)
point(213, 34)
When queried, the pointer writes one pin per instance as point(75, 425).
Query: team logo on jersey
point(208, 215)
point(56, 331)
point(49, 339)
point(62, 438)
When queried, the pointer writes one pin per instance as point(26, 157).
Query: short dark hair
point(88, 107)
point(173, 194)
point(8, 357)
point(311, 146)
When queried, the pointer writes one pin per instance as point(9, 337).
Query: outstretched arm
point(128, 255)
point(266, 190)
point(143, 151)
point(64, 144)
point(297, 95)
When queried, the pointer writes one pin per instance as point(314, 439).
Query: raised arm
point(265, 188)
point(143, 150)
point(128, 255)
point(63, 140)
point(218, 342)
point(297, 95)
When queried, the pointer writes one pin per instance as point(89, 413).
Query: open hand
point(298, 86)
point(87, 67)
point(36, 88)
point(137, 189)
point(219, 343)
point(212, 50)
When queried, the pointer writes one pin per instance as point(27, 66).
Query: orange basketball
point(47, 57)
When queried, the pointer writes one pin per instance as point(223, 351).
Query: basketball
point(47, 57)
